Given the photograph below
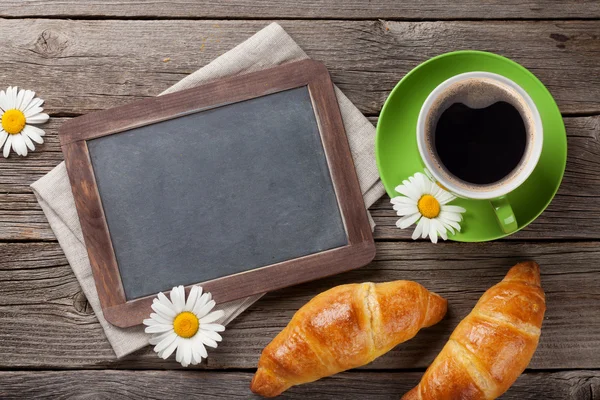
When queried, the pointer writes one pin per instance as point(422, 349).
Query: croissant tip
point(526, 271)
point(437, 308)
point(267, 384)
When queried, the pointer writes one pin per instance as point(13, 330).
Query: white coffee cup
point(480, 90)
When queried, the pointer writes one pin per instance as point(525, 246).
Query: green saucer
point(398, 155)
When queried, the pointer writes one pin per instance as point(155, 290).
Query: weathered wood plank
point(21, 218)
point(106, 384)
point(351, 9)
point(85, 65)
point(44, 322)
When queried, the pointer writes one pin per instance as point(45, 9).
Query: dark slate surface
point(217, 192)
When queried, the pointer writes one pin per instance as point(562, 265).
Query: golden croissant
point(493, 345)
point(345, 327)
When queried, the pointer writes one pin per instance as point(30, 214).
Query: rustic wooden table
point(85, 56)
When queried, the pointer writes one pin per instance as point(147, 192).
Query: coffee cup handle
point(504, 214)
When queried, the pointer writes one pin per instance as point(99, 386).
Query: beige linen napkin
point(269, 47)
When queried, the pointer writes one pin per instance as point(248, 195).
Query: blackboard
point(202, 196)
point(243, 185)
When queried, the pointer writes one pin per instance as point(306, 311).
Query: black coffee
point(480, 146)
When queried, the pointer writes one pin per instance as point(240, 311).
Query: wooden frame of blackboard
point(73, 136)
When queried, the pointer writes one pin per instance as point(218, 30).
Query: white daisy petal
point(418, 230)
point(425, 227)
point(19, 145)
point(435, 191)
point(38, 118)
point(22, 145)
point(170, 349)
point(432, 232)
point(405, 209)
point(212, 327)
point(401, 200)
point(192, 298)
point(7, 146)
point(421, 184)
point(439, 227)
point(212, 317)
point(205, 298)
point(453, 224)
point(20, 96)
point(445, 197)
point(408, 191)
point(15, 96)
point(454, 209)
point(179, 353)
point(448, 227)
point(165, 342)
point(161, 318)
point(207, 341)
point(3, 136)
point(14, 145)
point(153, 321)
point(212, 335)
point(3, 100)
point(205, 309)
point(160, 328)
point(157, 338)
point(33, 112)
point(411, 183)
point(34, 133)
point(163, 310)
point(196, 359)
point(449, 216)
point(34, 103)
point(443, 233)
point(162, 298)
point(28, 142)
point(186, 350)
point(197, 352)
point(178, 298)
point(408, 220)
point(28, 96)
point(198, 345)
point(11, 93)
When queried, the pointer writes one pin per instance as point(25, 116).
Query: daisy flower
point(18, 110)
point(185, 326)
point(425, 203)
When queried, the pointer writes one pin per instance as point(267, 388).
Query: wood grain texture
point(88, 65)
point(567, 217)
point(351, 9)
point(40, 300)
point(572, 385)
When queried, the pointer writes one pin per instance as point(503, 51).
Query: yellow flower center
point(428, 206)
point(186, 324)
point(13, 121)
